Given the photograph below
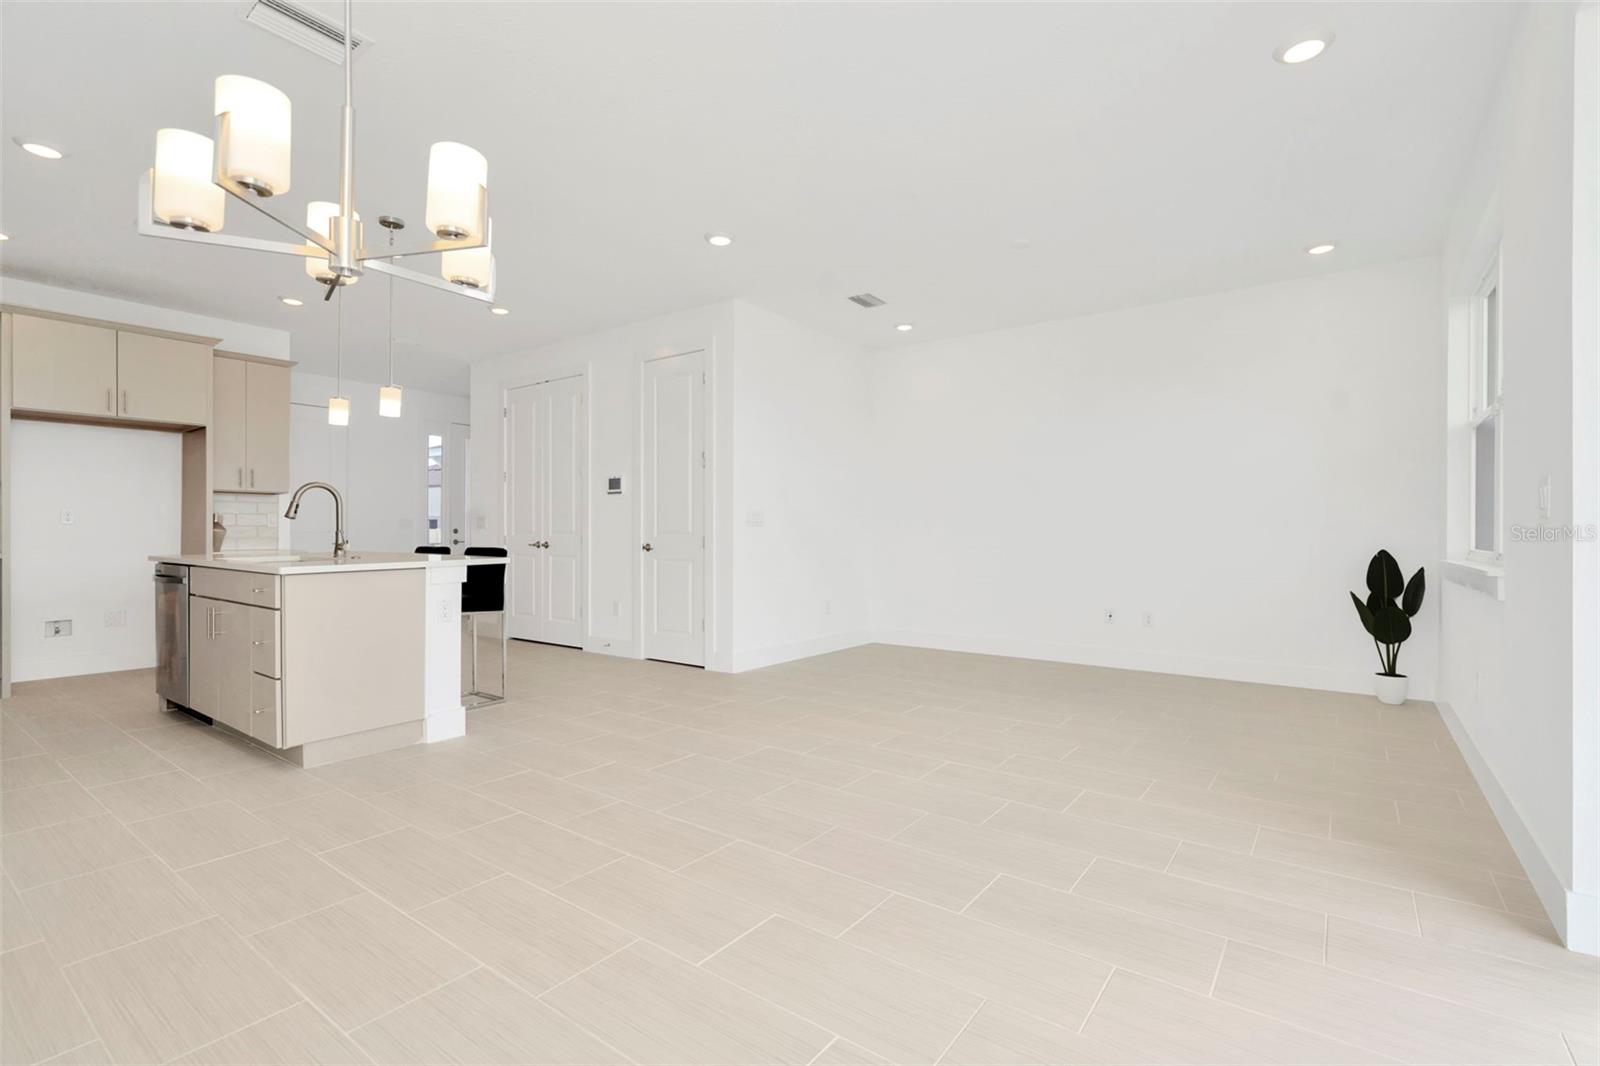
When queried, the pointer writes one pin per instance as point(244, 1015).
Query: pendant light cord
point(339, 334)
point(391, 314)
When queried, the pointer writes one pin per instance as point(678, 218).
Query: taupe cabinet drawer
point(240, 586)
point(264, 656)
point(266, 710)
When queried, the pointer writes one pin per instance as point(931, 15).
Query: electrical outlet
point(58, 627)
point(116, 619)
point(1148, 620)
point(1111, 617)
point(68, 518)
point(755, 517)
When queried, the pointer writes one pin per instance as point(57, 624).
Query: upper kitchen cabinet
point(160, 379)
point(250, 426)
point(63, 367)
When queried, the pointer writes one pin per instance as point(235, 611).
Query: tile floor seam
point(580, 972)
point(982, 1003)
point(409, 1002)
point(1084, 1024)
point(64, 967)
point(234, 1032)
point(978, 894)
point(86, 873)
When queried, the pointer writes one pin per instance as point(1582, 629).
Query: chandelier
point(182, 196)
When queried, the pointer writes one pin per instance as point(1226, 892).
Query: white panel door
point(523, 425)
point(545, 475)
point(673, 499)
point(562, 496)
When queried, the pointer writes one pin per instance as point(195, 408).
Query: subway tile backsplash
point(252, 520)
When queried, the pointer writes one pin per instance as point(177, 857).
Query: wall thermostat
point(613, 486)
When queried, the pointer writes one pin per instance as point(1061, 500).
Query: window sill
point(1486, 578)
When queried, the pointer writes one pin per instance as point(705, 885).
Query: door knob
point(544, 544)
point(648, 548)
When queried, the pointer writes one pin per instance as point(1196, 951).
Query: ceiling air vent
point(305, 28)
point(866, 299)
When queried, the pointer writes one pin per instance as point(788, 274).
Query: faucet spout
point(340, 545)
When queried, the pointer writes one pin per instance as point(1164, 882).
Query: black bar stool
point(484, 592)
point(431, 549)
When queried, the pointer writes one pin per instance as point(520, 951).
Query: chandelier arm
point(427, 248)
point(433, 281)
point(149, 226)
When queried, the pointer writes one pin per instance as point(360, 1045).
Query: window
point(435, 489)
point(1487, 436)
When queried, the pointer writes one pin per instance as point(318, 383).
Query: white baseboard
point(1292, 675)
point(773, 654)
point(446, 723)
point(1573, 913)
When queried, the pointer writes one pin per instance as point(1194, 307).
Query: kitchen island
point(322, 657)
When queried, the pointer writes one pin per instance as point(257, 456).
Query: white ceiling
point(977, 165)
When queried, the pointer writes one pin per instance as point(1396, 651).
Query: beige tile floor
point(882, 855)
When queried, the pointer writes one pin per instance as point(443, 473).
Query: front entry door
point(545, 507)
point(673, 499)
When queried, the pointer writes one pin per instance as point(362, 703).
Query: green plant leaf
point(1412, 601)
point(1391, 625)
point(1384, 577)
point(1365, 612)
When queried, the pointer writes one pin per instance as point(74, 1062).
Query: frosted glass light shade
point(257, 149)
point(183, 193)
point(472, 268)
point(457, 179)
point(338, 411)
point(318, 214)
point(389, 401)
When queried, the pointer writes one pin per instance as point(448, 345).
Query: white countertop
point(281, 563)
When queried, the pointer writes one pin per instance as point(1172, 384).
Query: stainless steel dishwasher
point(172, 632)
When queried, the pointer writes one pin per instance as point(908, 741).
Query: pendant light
point(181, 185)
point(319, 219)
point(255, 134)
point(389, 395)
point(458, 180)
point(338, 403)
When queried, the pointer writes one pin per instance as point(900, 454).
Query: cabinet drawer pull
point(258, 643)
point(259, 592)
point(260, 710)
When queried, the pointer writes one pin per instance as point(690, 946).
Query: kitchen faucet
point(340, 545)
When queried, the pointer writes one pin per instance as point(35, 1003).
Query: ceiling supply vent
point(866, 299)
point(310, 31)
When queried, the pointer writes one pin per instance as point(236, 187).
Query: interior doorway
point(673, 491)
point(546, 509)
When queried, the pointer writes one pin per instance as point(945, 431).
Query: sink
point(253, 557)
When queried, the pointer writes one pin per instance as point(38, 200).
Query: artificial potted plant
point(1386, 614)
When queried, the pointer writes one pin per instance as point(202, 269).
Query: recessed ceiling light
point(43, 151)
point(291, 301)
point(1303, 51)
point(906, 327)
point(499, 310)
point(1320, 249)
point(5, 236)
point(718, 240)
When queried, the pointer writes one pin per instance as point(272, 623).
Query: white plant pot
point(1392, 690)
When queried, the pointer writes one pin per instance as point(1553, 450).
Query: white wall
point(1517, 677)
point(802, 462)
point(1227, 463)
point(378, 464)
point(611, 362)
point(123, 487)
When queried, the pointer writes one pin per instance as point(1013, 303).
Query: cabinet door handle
point(252, 477)
point(241, 477)
point(211, 623)
point(108, 401)
point(124, 401)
